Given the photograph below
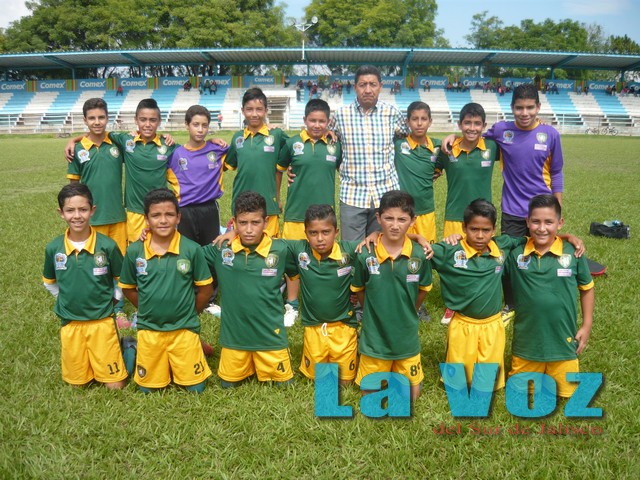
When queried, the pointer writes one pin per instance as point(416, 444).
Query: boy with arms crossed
point(158, 277)
point(544, 275)
point(391, 285)
point(79, 270)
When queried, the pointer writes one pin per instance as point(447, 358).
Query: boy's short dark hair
point(194, 110)
point(473, 110)
point(94, 103)
point(418, 106)
point(322, 212)
point(159, 195)
point(74, 190)
point(545, 201)
point(317, 105)
point(397, 199)
point(249, 202)
point(525, 91)
point(368, 70)
point(480, 208)
point(254, 93)
point(149, 103)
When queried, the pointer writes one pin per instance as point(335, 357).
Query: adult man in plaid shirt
point(366, 129)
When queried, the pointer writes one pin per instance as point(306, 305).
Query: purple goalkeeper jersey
point(531, 164)
point(196, 175)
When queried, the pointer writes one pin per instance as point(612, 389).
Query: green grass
point(50, 430)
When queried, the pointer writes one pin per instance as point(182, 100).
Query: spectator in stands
point(340, 87)
point(120, 91)
point(624, 92)
point(554, 89)
point(309, 85)
point(585, 89)
point(633, 91)
point(213, 87)
point(300, 84)
point(348, 87)
point(314, 91)
point(187, 86)
point(207, 86)
point(411, 85)
point(287, 82)
point(220, 121)
point(427, 86)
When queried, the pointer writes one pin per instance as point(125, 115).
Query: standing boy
point(544, 275)
point(79, 270)
point(391, 285)
point(253, 336)
point(254, 152)
point(313, 159)
point(415, 161)
point(158, 277)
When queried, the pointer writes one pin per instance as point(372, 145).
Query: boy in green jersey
point(391, 284)
point(544, 275)
point(254, 153)
point(158, 277)
point(79, 270)
point(253, 336)
point(313, 160)
point(415, 161)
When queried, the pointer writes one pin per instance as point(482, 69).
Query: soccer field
point(51, 430)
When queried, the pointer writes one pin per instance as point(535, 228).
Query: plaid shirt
point(367, 170)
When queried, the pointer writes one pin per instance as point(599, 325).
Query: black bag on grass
point(616, 230)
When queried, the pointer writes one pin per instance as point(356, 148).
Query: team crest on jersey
point(523, 261)
point(460, 258)
point(564, 260)
point(83, 155)
point(304, 260)
point(130, 145)
point(141, 266)
point(271, 261)
point(212, 157)
point(227, 257)
point(183, 162)
point(507, 136)
point(115, 153)
point(500, 259)
point(414, 264)
point(405, 148)
point(345, 260)
point(486, 154)
point(452, 158)
point(541, 137)
point(162, 150)
point(61, 261)
point(269, 140)
point(239, 142)
point(373, 266)
point(141, 371)
point(436, 152)
point(331, 149)
point(183, 265)
point(100, 259)
point(298, 148)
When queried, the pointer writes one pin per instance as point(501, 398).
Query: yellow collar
point(535, 125)
point(174, 246)
point(382, 254)
point(335, 254)
point(87, 143)
point(456, 149)
point(413, 144)
point(494, 251)
point(304, 135)
point(89, 246)
point(264, 130)
point(556, 247)
point(263, 248)
point(156, 140)
point(194, 149)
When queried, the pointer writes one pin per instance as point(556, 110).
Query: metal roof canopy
point(405, 57)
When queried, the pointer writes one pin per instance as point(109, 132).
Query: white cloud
point(593, 8)
point(12, 10)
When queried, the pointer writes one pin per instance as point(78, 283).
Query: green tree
point(622, 45)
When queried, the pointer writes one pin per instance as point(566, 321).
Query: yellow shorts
point(425, 225)
point(91, 351)
point(273, 226)
point(334, 342)
point(135, 224)
point(269, 365)
point(116, 232)
point(452, 227)
point(472, 341)
point(166, 355)
point(409, 367)
point(557, 370)
point(293, 231)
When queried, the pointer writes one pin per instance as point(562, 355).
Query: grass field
point(50, 430)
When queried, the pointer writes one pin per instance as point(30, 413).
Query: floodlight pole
point(303, 26)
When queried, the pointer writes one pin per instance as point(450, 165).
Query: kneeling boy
point(253, 336)
point(79, 269)
point(158, 277)
point(391, 285)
